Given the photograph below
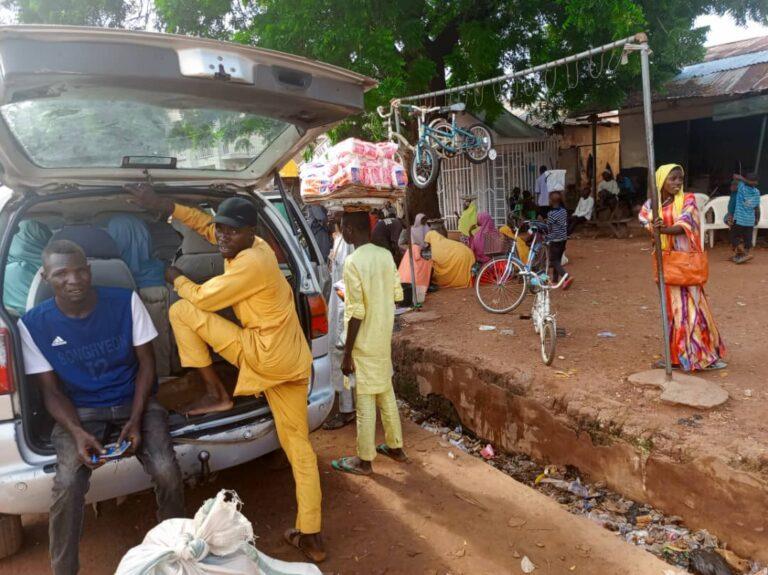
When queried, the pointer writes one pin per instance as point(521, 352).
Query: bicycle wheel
point(500, 286)
point(548, 340)
point(444, 137)
point(424, 171)
point(478, 152)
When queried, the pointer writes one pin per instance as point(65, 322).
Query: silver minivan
point(84, 111)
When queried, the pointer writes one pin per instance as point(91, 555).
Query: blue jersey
point(93, 356)
point(747, 200)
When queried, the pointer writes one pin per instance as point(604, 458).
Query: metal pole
point(654, 197)
point(760, 144)
point(532, 70)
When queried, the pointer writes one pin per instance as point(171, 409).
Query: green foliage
point(101, 13)
point(413, 46)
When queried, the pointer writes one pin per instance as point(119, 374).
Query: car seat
point(107, 269)
point(199, 259)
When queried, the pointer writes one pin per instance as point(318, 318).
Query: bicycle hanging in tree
point(502, 283)
point(438, 139)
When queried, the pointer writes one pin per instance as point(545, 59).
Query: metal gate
point(516, 165)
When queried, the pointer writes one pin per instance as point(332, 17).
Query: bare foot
point(208, 404)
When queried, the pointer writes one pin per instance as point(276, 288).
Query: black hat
point(236, 212)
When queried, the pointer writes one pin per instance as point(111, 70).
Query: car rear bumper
point(26, 488)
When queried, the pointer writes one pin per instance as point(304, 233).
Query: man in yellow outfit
point(270, 349)
point(371, 288)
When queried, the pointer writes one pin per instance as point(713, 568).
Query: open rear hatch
point(91, 106)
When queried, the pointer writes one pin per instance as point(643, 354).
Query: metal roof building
point(711, 117)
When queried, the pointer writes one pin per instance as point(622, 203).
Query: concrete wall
point(580, 137)
point(633, 152)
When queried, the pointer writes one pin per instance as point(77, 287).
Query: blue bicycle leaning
point(502, 284)
point(438, 139)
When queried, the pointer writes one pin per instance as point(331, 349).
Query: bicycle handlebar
point(559, 284)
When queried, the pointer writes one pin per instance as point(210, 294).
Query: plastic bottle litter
point(527, 565)
point(487, 328)
point(608, 334)
point(574, 487)
point(487, 452)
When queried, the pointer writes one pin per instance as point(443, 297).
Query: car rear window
point(98, 132)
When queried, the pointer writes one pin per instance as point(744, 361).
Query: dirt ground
point(614, 291)
point(435, 516)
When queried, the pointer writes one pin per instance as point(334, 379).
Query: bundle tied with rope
point(218, 541)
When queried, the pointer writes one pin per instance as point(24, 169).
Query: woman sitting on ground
point(484, 235)
point(694, 339)
point(422, 267)
point(452, 261)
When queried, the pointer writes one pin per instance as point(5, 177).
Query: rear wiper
point(149, 162)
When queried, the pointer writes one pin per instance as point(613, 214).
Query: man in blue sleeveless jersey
point(89, 351)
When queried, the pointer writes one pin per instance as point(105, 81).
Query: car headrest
point(192, 242)
point(96, 243)
point(104, 272)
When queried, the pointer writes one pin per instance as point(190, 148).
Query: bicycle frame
point(438, 137)
point(527, 267)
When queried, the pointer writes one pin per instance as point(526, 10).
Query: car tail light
point(6, 362)
point(319, 316)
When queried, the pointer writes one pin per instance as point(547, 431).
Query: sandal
point(293, 538)
point(338, 421)
point(343, 465)
point(384, 450)
point(719, 364)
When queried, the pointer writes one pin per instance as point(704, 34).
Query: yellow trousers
point(195, 331)
point(366, 422)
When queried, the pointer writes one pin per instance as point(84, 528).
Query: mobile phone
point(113, 451)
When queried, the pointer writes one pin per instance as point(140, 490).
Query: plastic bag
point(218, 541)
point(556, 180)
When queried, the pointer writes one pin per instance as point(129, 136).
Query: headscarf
point(477, 243)
point(135, 244)
point(25, 257)
point(468, 219)
point(662, 173)
point(419, 230)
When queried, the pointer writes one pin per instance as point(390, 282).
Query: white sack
point(218, 541)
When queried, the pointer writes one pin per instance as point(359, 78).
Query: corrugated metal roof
point(736, 48)
point(722, 65)
point(731, 69)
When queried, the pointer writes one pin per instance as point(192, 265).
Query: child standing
point(557, 237)
point(743, 215)
point(371, 286)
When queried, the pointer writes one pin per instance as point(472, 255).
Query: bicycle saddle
point(459, 107)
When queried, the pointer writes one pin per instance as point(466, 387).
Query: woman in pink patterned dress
point(694, 339)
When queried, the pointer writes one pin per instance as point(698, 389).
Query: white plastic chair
point(719, 208)
point(762, 224)
point(701, 201)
